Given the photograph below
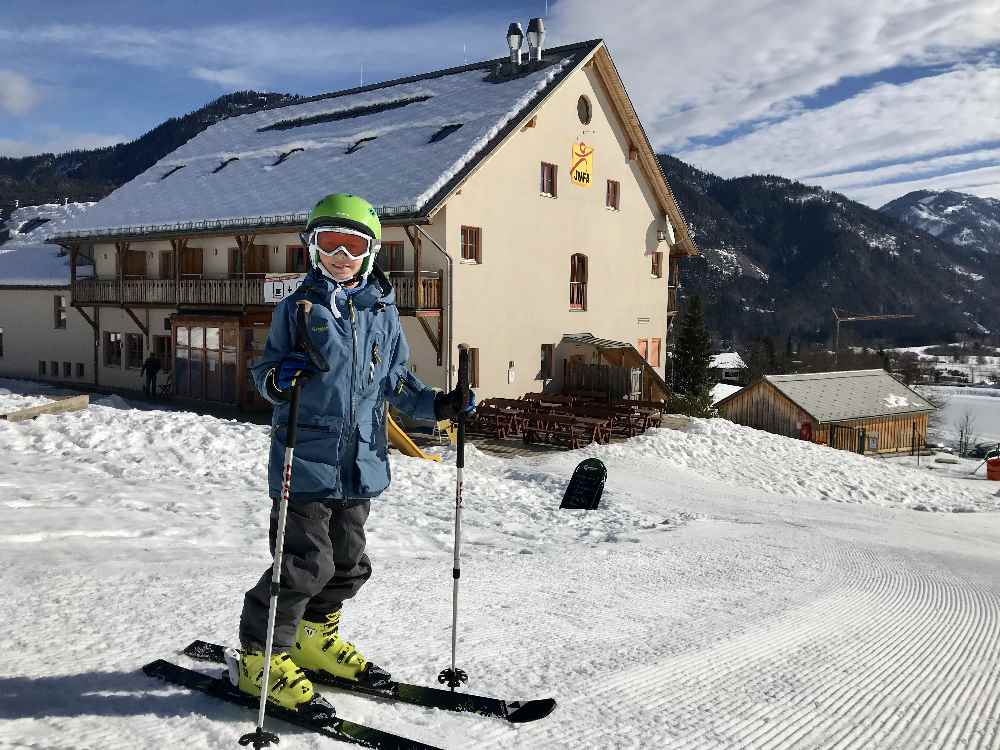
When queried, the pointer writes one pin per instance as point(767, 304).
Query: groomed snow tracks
point(892, 653)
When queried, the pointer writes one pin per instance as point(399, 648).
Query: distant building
point(866, 411)
point(728, 367)
point(519, 199)
point(42, 336)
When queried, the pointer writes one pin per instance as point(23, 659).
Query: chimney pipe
point(536, 39)
point(515, 37)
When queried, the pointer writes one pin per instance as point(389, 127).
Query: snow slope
point(717, 599)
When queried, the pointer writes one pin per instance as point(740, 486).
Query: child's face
point(341, 267)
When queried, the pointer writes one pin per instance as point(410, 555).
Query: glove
point(449, 405)
point(294, 365)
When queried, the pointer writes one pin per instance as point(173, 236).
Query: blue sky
point(872, 98)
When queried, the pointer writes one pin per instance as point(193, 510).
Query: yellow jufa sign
point(582, 165)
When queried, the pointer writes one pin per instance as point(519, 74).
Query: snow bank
point(741, 456)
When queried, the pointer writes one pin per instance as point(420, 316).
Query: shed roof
point(25, 259)
point(401, 144)
point(727, 361)
point(851, 394)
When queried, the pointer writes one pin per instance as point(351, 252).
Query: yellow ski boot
point(288, 686)
point(318, 647)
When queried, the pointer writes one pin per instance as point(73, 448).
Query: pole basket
point(260, 739)
point(453, 678)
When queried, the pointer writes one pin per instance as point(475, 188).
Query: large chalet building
point(520, 199)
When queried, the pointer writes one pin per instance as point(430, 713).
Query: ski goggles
point(329, 241)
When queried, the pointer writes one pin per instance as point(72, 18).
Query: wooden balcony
point(231, 292)
point(406, 298)
point(142, 292)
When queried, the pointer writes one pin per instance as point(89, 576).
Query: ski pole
point(259, 737)
point(454, 677)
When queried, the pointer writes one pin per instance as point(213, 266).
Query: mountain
point(778, 255)
point(961, 219)
point(89, 175)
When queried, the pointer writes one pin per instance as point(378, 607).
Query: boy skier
point(341, 458)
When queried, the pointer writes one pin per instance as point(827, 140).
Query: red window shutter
point(643, 348)
point(654, 352)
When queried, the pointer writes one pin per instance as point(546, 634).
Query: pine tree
point(692, 354)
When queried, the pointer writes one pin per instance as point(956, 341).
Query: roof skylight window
point(444, 132)
point(344, 114)
point(286, 155)
point(225, 163)
point(171, 171)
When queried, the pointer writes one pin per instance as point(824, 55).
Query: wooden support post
point(179, 246)
point(418, 292)
point(244, 242)
point(143, 328)
point(121, 249)
point(435, 334)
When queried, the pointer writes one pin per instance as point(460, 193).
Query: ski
point(419, 695)
point(319, 715)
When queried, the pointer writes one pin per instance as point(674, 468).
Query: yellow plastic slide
point(402, 442)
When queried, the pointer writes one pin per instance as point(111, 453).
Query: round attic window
point(583, 110)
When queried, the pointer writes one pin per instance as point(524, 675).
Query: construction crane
point(848, 318)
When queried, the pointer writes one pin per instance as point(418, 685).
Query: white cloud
point(17, 94)
point(984, 182)
point(57, 141)
point(700, 69)
point(228, 78)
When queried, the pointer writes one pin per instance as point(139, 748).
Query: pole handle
point(463, 390)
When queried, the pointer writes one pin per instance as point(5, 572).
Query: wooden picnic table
point(572, 431)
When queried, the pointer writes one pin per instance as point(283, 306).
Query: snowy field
point(736, 589)
point(982, 404)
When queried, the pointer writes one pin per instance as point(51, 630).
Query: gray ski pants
point(323, 563)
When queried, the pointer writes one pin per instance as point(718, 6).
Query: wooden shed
point(866, 411)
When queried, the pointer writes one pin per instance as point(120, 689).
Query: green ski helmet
point(350, 212)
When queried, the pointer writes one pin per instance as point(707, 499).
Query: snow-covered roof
point(400, 144)
point(25, 258)
point(721, 391)
point(727, 361)
point(852, 394)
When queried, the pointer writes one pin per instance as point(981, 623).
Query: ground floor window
point(1, 342)
point(112, 349)
point(67, 369)
point(79, 369)
point(205, 365)
point(545, 371)
point(133, 351)
point(41, 367)
point(54, 372)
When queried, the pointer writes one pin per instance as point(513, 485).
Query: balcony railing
point(189, 291)
point(230, 291)
point(430, 287)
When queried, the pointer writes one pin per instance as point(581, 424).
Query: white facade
point(33, 343)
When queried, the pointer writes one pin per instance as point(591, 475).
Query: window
point(578, 282)
point(548, 186)
point(654, 352)
point(643, 346)
point(192, 262)
point(611, 198)
point(41, 367)
point(67, 369)
point(1, 342)
point(135, 264)
point(545, 371)
point(79, 370)
point(472, 245)
point(167, 264)
point(112, 349)
point(393, 256)
point(161, 345)
point(473, 367)
point(133, 351)
point(54, 372)
point(256, 261)
point(583, 110)
point(59, 309)
point(296, 260)
point(656, 267)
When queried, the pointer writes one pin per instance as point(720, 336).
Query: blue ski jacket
point(340, 452)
